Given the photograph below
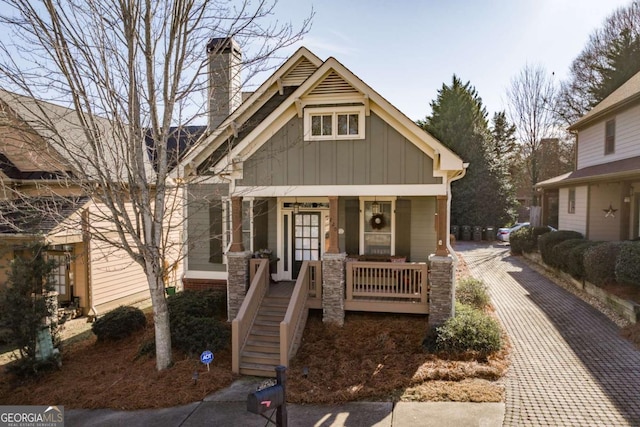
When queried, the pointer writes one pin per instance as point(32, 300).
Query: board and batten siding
point(627, 139)
point(204, 223)
point(576, 221)
point(384, 157)
point(602, 227)
point(423, 229)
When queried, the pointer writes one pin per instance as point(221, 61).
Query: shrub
point(472, 292)
point(197, 304)
point(560, 253)
point(23, 315)
point(627, 267)
point(526, 239)
point(119, 323)
point(575, 258)
point(547, 242)
point(600, 262)
point(470, 330)
point(193, 335)
point(194, 322)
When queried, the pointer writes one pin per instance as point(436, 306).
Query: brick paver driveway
point(569, 364)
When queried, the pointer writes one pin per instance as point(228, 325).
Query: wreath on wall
point(378, 222)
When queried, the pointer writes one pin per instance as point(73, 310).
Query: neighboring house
point(601, 197)
point(315, 166)
point(41, 200)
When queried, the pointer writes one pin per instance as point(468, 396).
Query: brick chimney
point(225, 60)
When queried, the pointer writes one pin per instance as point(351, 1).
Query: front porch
point(268, 326)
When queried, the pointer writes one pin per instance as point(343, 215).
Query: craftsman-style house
point(318, 179)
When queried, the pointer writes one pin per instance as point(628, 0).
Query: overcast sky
point(406, 49)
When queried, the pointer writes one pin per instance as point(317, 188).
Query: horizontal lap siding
point(602, 227)
point(627, 139)
point(576, 221)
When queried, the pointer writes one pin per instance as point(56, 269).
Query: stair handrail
point(241, 325)
point(295, 317)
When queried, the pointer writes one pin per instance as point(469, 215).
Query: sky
point(407, 49)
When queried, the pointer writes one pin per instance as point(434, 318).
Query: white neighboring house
point(601, 198)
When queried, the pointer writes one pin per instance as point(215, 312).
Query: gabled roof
point(37, 215)
point(329, 81)
point(626, 94)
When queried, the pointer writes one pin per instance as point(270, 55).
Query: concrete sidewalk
point(228, 408)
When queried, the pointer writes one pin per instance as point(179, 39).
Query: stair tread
point(258, 354)
point(260, 332)
point(263, 343)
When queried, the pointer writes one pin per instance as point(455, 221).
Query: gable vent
point(333, 84)
point(299, 73)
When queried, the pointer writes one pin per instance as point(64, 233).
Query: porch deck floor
point(281, 289)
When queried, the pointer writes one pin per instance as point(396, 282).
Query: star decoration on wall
point(610, 212)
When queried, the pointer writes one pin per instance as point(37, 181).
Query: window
point(377, 230)
point(334, 123)
point(572, 201)
point(610, 137)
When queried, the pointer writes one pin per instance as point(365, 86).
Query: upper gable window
point(610, 137)
point(334, 123)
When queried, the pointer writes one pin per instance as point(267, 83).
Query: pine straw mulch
point(109, 375)
point(373, 357)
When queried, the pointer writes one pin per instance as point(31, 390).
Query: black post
point(281, 412)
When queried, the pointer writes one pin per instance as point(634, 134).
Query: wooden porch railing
point(241, 325)
point(382, 286)
point(315, 284)
point(295, 319)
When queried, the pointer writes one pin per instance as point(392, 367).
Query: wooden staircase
point(261, 353)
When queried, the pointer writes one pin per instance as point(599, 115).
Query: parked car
point(505, 232)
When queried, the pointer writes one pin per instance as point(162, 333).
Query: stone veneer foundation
point(333, 277)
point(237, 281)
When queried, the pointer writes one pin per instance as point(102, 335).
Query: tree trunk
point(160, 321)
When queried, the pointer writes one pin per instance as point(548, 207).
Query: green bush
point(193, 335)
point(470, 330)
point(547, 242)
point(197, 304)
point(600, 262)
point(526, 239)
point(119, 323)
point(628, 264)
point(575, 258)
point(561, 251)
point(472, 292)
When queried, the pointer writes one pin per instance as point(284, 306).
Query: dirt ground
point(373, 357)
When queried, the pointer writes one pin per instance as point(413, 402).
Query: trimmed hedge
point(600, 262)
point(197, 304)
point(526, 239)
point(547, 242)
point(575, 258)
point(627, 268)
point(561, 253)
point(119, 323)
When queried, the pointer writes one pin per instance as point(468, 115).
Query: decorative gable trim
point(333, 84)
point(299, 73)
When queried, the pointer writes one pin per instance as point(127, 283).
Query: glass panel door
point(306, 239)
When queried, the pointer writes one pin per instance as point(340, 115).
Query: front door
point(306, 239)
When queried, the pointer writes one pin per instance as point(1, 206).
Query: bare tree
point(531, 98)
point(127, 71)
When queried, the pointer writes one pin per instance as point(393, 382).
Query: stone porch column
point(333, 277)
point(441, 305)
point(442, 234)
point(237, 281)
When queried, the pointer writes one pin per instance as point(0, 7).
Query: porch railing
point(241, 325)
point(387, 286)
point(315, 284)
point(295, 319)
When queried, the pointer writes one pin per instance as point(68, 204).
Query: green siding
point(403, 228)
point(204, 218)
point(423, 233)
point(384, 157)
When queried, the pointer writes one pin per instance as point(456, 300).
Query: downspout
point(459, 175)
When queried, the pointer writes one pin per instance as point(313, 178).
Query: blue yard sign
point(206, 357)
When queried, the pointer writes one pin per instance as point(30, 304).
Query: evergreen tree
point(459, 121)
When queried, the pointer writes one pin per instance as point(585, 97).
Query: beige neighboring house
point(601, 197)
point(41, 200)
point(315, 170)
